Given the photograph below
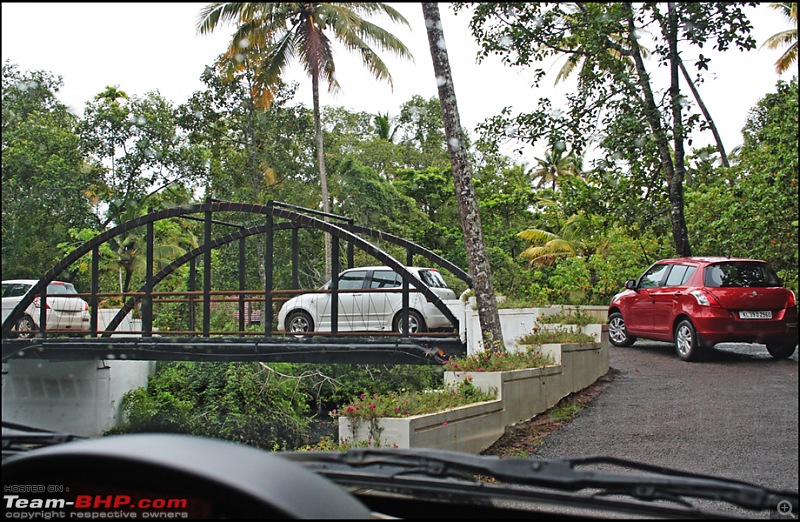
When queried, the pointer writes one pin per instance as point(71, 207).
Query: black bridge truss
point(199, 342)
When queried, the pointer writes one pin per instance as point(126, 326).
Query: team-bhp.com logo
point(92, 507)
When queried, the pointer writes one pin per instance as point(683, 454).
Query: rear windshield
point(740, 274)
point(432, 278)
point(61, 289)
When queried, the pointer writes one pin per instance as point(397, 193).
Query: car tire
point(415, 322)
point(617, 333)
point(686, 343)
point(26, 328)
point(781, 350)
point(299, 321)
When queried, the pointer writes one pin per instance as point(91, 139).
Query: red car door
point(666, 298)
point(640, 319)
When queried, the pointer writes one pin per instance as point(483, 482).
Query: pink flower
point(358, 406)
point(350, 408)
point(480, 369)
point(371, 406)
point(375, 396)
point(444, 423)
point(455, 365)
point(397, 409)
point(361, 396)
point(334, 412)
point(405, 412)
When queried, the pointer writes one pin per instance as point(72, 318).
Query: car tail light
point(37, 302)
point(792, 300)
point(704, 299)
point(85, 307)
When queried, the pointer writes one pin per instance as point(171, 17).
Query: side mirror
point(630, 284)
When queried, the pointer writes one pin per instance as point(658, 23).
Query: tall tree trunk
point(680, 234)
point(680, 231)
point(323, 177)
point(462, 178)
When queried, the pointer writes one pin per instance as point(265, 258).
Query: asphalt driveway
point(733, 414)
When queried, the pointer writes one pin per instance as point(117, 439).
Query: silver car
point(66, 311)
point(370, 299)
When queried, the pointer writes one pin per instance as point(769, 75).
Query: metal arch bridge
point(242, 345)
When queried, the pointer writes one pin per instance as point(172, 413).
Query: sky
point(142, 47)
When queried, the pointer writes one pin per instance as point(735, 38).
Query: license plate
point(755, 315)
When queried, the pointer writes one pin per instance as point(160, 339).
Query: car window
point(352, 280)
point(385, 279)
point(653, 277)
point(679, 275)
point(432, 278)
point(61, 289)
point(740, 274)
point(15, 290)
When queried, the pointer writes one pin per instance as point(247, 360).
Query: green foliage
point(334, 384)
point(405, 403)
point(750, 209)
point(498, 361)
point(564, 413)
point(244, 402)
point(577, 317)
point(326, 444)
point(44, 174)
point(542, 336)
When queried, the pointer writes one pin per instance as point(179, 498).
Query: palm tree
point(787, 38)
point(273, 34)
point(383, 127)
point(554, 166)
point(547, 247)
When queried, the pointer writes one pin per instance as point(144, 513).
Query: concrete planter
point(517, 322)
point(522, 394)
point(469, 428)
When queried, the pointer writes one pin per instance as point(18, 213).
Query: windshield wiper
point(414, 468)
point(18, 438)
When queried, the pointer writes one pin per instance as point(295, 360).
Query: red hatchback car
point(697, 302)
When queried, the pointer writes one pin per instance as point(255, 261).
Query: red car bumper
point(717, 325)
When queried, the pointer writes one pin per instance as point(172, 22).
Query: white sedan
point(370, 299)
point(66, 311)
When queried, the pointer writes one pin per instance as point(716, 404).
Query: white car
point(66, 312)
point(370, 299)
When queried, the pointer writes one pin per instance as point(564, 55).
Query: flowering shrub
point(405, 404)
point(499, 361)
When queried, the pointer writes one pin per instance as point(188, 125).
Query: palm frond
point(536, 236)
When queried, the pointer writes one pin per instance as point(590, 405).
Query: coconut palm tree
point(787, 38)
point(274, 34)
point(383, 127)
point(546, 247)
point(554, 166)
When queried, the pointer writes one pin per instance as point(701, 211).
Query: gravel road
point(733, 414)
